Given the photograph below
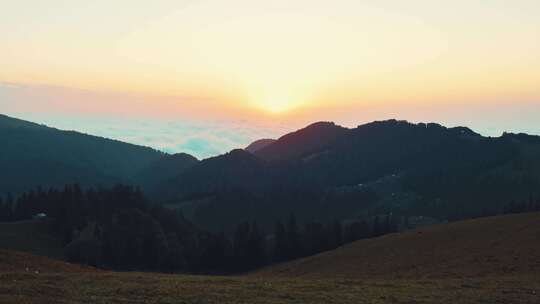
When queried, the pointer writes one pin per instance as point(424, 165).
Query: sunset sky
point(204, 77)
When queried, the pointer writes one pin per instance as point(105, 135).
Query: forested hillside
point(34, 155)
point(325, 172)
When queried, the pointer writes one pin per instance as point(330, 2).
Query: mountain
point(320, 173)
point(486, 247)
point(312, 138)
point(236, 169)
point(35, 155)
point(259, 144)
point(164, 169)
point(325, 172)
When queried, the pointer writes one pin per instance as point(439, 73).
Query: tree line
point(118, 228)
point(525, 206)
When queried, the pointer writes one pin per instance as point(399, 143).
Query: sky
point(204, 77)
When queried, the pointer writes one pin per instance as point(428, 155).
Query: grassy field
point(492, 260)
point(31, 236)
point(109, 287)
point(485, 247)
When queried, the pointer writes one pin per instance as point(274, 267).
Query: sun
point(277, 103)
point(276, 106)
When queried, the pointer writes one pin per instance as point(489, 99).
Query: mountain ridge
point(428, 160)
point(31, 151)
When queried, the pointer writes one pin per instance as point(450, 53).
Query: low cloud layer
point(200, 139)
point(191, 131)
point(205, 133)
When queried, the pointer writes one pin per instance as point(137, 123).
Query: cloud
point(152, 123)
point(211, 134)
point(201, 139)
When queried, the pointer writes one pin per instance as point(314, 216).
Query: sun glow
point(276, 106)
point(286, 101)
point(275, 57)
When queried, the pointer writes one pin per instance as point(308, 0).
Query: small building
point(40, 216)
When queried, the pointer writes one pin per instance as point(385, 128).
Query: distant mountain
point(325, 171)
point(321, 172)
point(35, 155)
point(164, 169)
point(310, 139)
point(236, 169)
point(259, 144)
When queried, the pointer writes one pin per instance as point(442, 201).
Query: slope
point(259, 144)
point(310, 139)
point(486, 247)
point(31, 236)
point(31, 153)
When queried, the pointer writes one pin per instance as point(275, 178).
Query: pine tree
point(293, 239)
point(280, 243)
point(377, 231)
point(336, 234)
point(255, 247)
point(3, 210)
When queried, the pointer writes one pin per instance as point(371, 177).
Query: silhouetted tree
point(336, 234)
point(356, 231)
point(280, 243)
point(377, 228)
point(255, 247)
point(293, 238)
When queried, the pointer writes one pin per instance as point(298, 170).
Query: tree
point(391, 224)
point(88, 252)
point(240, 244)
point(356, 231)
point(280, 242)
point(293, 239)
point(9, 207)
point(315, 238)
point(255, 247)
point(3, 211)
point(174, 259)
point(377, 229)
point(336, 234)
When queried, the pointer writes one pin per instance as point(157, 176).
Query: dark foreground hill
point(486, 247)
point(492, 260)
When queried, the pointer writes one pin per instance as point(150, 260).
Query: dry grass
point(107, 287)
point(486, 247)
point(31, 236)
point(496, 263)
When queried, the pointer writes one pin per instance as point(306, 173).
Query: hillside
point(163, 169)
point(310, 139)
point(235, 169)
point(31, 236)
point(486, 247)
point(21, 262)
point(31, 152)
point(492, 260)
point(325, 172)
point(259, 144)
